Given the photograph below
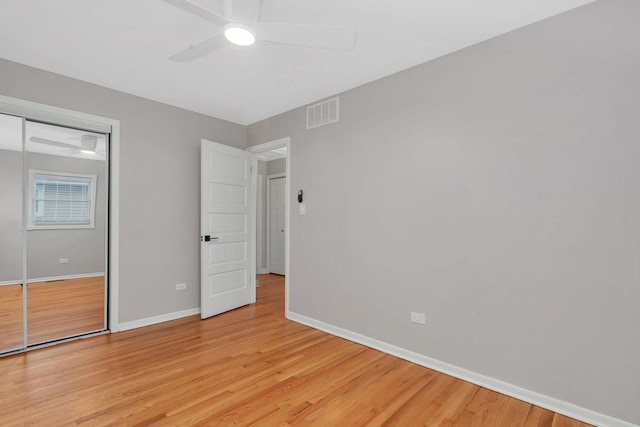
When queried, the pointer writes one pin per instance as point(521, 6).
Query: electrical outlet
point(181, 286)
point(419, 318)
point(64, 260)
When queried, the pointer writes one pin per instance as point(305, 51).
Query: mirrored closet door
point(53, 217)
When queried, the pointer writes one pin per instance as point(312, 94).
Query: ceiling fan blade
point(318, 36)
point(198, 49)
point(199, 10)
point(51, 142)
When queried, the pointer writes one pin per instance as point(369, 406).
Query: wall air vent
point(323, 113)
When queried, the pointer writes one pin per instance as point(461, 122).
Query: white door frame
point(268, 146)
point(260, 228)
point(268, 217)
point(65, 117)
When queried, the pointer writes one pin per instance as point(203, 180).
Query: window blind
point(62, 200)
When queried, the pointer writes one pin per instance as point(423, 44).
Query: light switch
point(303, 209)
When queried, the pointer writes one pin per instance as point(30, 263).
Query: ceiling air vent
point(323, 113)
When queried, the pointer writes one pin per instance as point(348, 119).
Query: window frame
point(31, 225)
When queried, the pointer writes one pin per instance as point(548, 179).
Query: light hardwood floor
point(248, 366)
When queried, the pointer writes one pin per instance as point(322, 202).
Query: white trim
point(50, 114)
point(113, 274)
point(268, 146)
point(267, 257)
point(252, 225)
point(263, 271)
point(68, 277)
point(76, 119)
point(25, 338)
point(259, 217)
point(271, 145)
point(287, 237)
point(535, 398)
point(148, 321)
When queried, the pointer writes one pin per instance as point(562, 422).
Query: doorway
point(276, 223)
point(54, 219)
point(278, 150)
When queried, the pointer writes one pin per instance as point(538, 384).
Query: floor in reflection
point(10, 317)
point(63, 308)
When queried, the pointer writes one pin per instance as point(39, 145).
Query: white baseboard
point(263, 271)
point(140, 323)
point(538, 399)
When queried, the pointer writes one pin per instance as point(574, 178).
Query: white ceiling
point(124, 45)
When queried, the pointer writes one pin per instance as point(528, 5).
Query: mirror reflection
point(53, 198)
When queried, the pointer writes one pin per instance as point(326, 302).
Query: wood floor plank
point(515, 412)
point(250, 366)
point(423, 404)
point(563, 421)
point(452, 402)
point(538, 417)
point(403, 395)
point(254, 408)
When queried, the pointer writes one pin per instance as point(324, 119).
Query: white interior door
point(277, 189)
point(227, 226)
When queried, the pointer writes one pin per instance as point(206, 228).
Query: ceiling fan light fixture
point(239, 34)
point(89, 144)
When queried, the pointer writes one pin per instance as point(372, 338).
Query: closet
point(53, 232)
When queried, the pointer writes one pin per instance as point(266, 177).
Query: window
point(61, 200)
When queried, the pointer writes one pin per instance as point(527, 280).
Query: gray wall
point(497, 190)
point(10, 216)
point(85, 247)
point(276, 166)
point(159, 184)
point(262, 217)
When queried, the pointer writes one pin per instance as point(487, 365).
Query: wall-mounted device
point(300, 196)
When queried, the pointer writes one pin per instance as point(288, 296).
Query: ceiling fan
point(88, 144)
point(243, 33)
